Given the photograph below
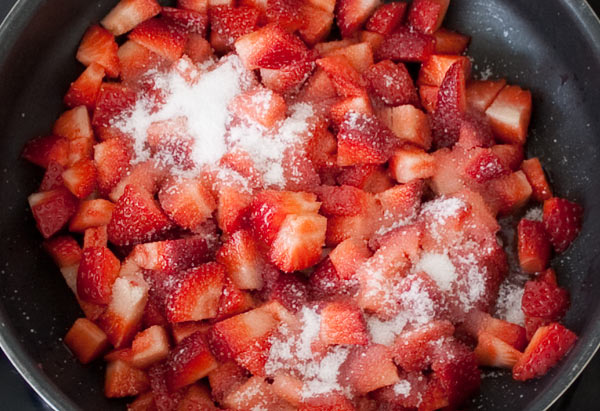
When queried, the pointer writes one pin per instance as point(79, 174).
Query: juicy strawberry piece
point(399, 203)
point(98, 270)
point(364, 140)
point(327, 402)
point(318, 88)
point(91, 213)
point(544, 300)
point(224, 379)
point(411, 163)
point(369, 368)
point(52, 210)
point(290, 291)
point(52, 177)
point(342, 200)
point(450, 107)
point(200, 6)
point(426, 16)
point(197, 397)
point(450, 42)
point(346, 80)
point(233, 301)
point(434, 70)
point(255, 393)
point(510, 113)
point(316, 25)
point(348, 256)
point(182, 330)
point(189, 361)
point(186, 202)
point(548, 345)
point(161, 38)
point(475, 131)
point(163, 398)
point(493, 352)
point(149, 346)
point(339, 110)
point(428, 95)
point(342, 323)
point(86, 340)
point(232, 208)
point(189, 21)
point(535, 175)
point(299, 242)
point(80, 178)
point(509, 193)
point(129, 13)
point(478, 322)
point(386, 18)
point(135, 60)
point(74, 124)
point(43, 150)
point(64, 250)
point(413, 349)
point(481, 93)
point(270, 111)
point(359, 55)
point(408, 123)
point(142, 402)
point(98, 45)
point(123, 380)
point(84, 90)
point(197, 48)
point(289, 78)
point(285, 14)
point(229, 24)
point(483, 165)
point(328, 47)
point(391, 83)
point(196, 294)
point(406, 45)
point(288, 388)
point(533, 246)
point(113, 99)
point(510, 154)
point(325, 282)
point(171, 256)
point(243, 261)
point(327, 5)
point(374, 39)
point(95, 237)
point(80, 149)
point(351, 14)
point(146, 176)
point(136, 218)
point(562, 220)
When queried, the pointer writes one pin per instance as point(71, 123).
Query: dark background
point(15, 394)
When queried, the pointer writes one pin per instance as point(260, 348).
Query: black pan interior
point(550, 47)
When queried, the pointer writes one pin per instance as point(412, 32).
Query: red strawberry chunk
point(188, 20)
point(91, 213)
point(160, 37)
point(289, 290)
point(510, 113)
point(400, 203)
point(255, 393)
point(285, 13)
point(149, 346)
point(52, 210)
point(475, 131)
point(369, 368)
point(391, 83)
point(325, 282)
point(186, 202)
point(197, 48)
point(80, 178)
point(86, 340)
point(434, 70)
point(406, 45)
point(351, 14)
point(74, 124)
point(43, 150)
point(483, 165)
point(197, 397)
point(98, 45)
point(348, 256)
point(146, 176)
point(172, 256)
point(233, 301)
point(260, 105)
point(129, 13)
point(342, 200)
point(548, 345)
point(342, 323)
point(189, 361)
point(64, 250)
point(327, 402)
point(195, 296)
point(84, 90)
point(230, 23)
point(481, 93)
point(136, 60)
point(243, 261)
point(562, 220)
point(288, 79)
point(413, 349)
point(535, 175)
point(411, 163)
point(477, 322)
point(533, 246)
point(426, 16)
point(386, 18)
point(227, 377)
point(327, 5)
point(113, 99)
point(52, 177)
point(123, 380)
point(428, 95)
point(371, 178)
point(359, 55)
point(347, 81)
point(163, 398)
point(200, 6)
point(450, 106)
point(98, 270)
point(408, 123)
point(508, 193)
point(450, 42)
point(510, 154)
point(491, 351)
point(337, 112)
point(316, 24)
point(544, 300)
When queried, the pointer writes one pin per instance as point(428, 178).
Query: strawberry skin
point(189, 361)
point(391, 83)
point(52, 210)
point(545, 300)
point(387, 17)
point(406, 46)
point(450, 107)
point(84, 90)
point(98, 45)
point(42, 151)
point(493, 352)
point(160, 37)
point(80, 178)
point(562, 219)
point(533, 246)
point(98, 270)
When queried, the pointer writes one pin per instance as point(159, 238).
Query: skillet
point(550, 47)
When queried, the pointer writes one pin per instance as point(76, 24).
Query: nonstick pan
point(551, 47)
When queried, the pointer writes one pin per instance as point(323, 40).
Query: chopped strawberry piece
point(189, 361)
point(243, 261)
point(450, 106)
point(233, 301)
point(195, 296)
point(189, 21)
point(186, 202)
point(255, 393)
point(413, 349)
point(478, 322)
point(428, 95)
point(483, 165)
point(491, 351)
point(391, 83)
point(374, 39)
point(544, 300)
point(172, 256)
point(123, 380)
point(98, 45)
point(399, 203)
point(369, 368)
point(288, 388)
point(200, 6)
point(450, 42)
point(351, 14)
point(359, 55)
point(316, 25)
point(406, 45)
point(74, 124)
point(475, 131)
point(510, 154)
point(285, 13)
point(84, 90)
point(230, 23)
point(348, 256)
point(387, 17)
point(347, 81)
point(149, 346)
point(163, 398)
point(339, 110)
point(342, 323)
point(411, 163)
point(433, 71)
point(227, 377)
point(327, 5)
point(371, 178)
point(52, 210)
point(408, 123)
point(95, 237)
point(510, 113)
point(535, 175)
point(113, 99)
point(80, 178)
point(342, 200)
point(548, 345)
point(86, 340)
point(197, 48)
point(288, 79)
point(43, 150)
point(52, 177)
point(142, 402)
point(136, 60)
point(327, 402)
point(98, 270)
point(328, 47)
point(197, 397)
point(562, 220)
point(289, 290)
point(270, 110)
point(160, 37)
point(481, 93)
point(426, 16)
point(533, 246)
point(91, 213)
point(146, 176)
point(136, 218)
point(64, 250)
point(129, 13)
point(508, 193)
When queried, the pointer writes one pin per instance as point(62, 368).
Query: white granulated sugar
point(402, 388)
point(508, 305)
point(417, 302)
point(321, 377)
point(311, 325)
point(534, 214)
point(385, 332)
point(388, 223)
point(439, 268)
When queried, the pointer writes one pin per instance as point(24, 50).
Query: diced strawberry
point(197, 397)
point(200, 6)
point(98, 270)
point(135, 60)
point(52, 210)
point(414, 390)
point(348, 256)
point(509, 193)
point(351, 14)
point(387, 17)
point(74, 124)
point(510, 154)
point(481, 93)
point(129, 13)
point(332, 401)
point(339, 110)
point(186, 202)
point(371, 178)
point(359, 55)
point(80, 178)
point(406, 45)
point(288, 388)
point(510, 113)
point(411, 163)
point(413, 349)
point(327, 47)
point(285, 13)
point(233, 300)
point(149, 346)
point(243, 261)
point(408, 123)
point(232, 208)
point(544, 300)
point(475, 131)
point(163, 398)
point(84, 90)
point(535, 175)
point(86, 340)
point(562, 220)
point(189, 21)
point(342, 323)
point(426, 16)
point(95, 237)
point(123, 317)
point(113, 99)
point(493, 352)
point(318, 88)
point(230, 23)
point(450, 42)
point(147, 176)
point(450, 106)
point(259, 105)
point(195, 296)
point(533, 246)
point(478, 322)
point(369, 368)
point(428, 95)
point(227, 377)
point(98, 45)
point(136, 218)
point(142, 402)
point(391, 83)
point(189, 361)
point(52, 177)
point(544, 351)
point(171, 256)
point(327, 5)
point(185, 329)
point(342, 200)
point(80, 149)
point(434, 70)
point(399, 203)
point(159, 37)
point(364, 140)
point(197, 48)
point(316, 25)
point(91, 213)
point(64, 250)
point(43, 150)
point(288, 79)
point(347, 81)
point(374, 39)
point(290, 291)
point(483, 165)
point(255, 393)
point(123, 380)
